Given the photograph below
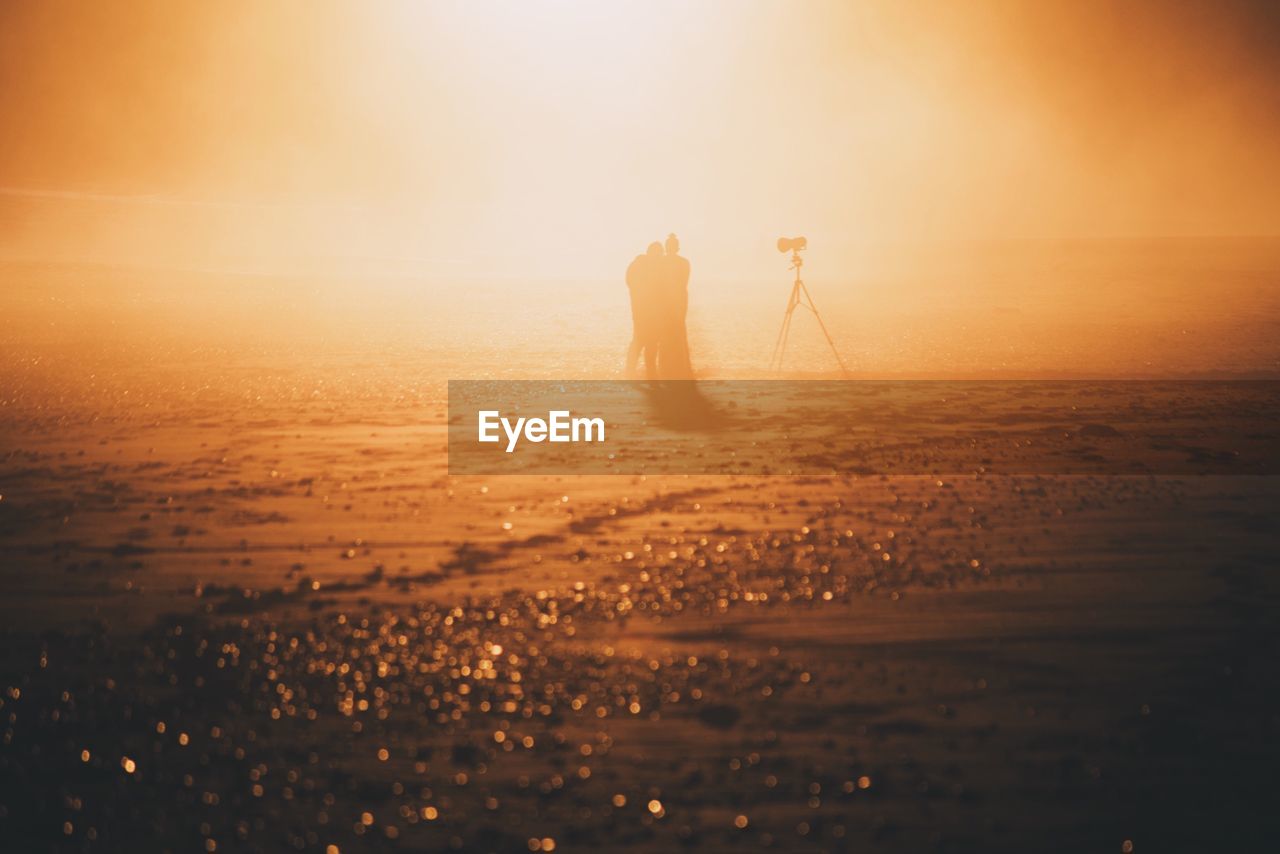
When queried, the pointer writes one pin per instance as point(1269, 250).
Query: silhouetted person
point(645, 282)
point(673, 343)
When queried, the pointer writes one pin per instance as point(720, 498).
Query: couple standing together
point(659, 285)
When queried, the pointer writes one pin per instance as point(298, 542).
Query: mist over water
point(434, 190)
point(1013, 309)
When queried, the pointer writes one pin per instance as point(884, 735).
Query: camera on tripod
point(800, 298)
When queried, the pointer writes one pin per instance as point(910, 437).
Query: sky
point(514, 140)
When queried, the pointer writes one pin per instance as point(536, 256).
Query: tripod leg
point(843, 370)
point(782, 351)
point(775, 361)
point(780, 346)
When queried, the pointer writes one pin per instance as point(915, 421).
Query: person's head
point(655, 249)
point(673, 245)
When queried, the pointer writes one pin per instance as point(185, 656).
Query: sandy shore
point(285, 625)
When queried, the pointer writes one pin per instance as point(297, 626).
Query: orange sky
point(552, 140)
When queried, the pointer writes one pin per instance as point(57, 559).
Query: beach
point(257, 612)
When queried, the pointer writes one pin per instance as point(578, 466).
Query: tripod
point(800, 297)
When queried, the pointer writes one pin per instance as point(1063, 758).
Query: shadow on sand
point(681, 405)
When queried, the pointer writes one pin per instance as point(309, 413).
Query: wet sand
point(281, 624)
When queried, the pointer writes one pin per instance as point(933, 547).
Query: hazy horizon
point(986, 188)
